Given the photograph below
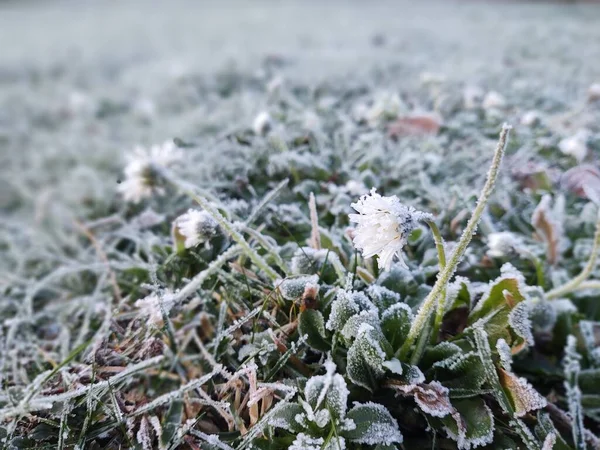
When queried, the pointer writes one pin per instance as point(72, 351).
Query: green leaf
point(374, 425)
point(476, 425)
point(284, 418)
point(395, 324)
point(495, 307)
point(171, 422)
point(365, 358)
point(312, 324)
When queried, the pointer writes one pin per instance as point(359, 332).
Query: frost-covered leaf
point(311, 324)
point(395, 324)
point(285, 418)
point(328, 391)
point(365, 358)
point(473, 426)
point(522, 394)
point(501, 297)
point(432, 398)
point(382, 297)
point(346, 305)
point(374, 425)
point(548, 229)
point(350, 329)
point(305, 441)
point(292, 288)
point(462, 373)
point(519, 321)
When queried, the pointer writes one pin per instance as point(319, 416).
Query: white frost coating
point(394, 366)
point(292, 288)
point(384, 225)
point(393, 310)
point(563, 306)
point(525, 396)
point(507, 271)
point(382, 296)
point(505, 354)
point(464, 443)
point(336, 443)
point(153, 305)
point(139, 180)
point(586, 327)
point(143, 435)
point(346, 305)
point(306, 442)
point(519, 321)
point(197, 227)
point(454, 361)
point(549, 441)
point(382, 430)
point(350, 329)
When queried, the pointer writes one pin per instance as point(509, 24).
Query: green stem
point(224, 223)
point(441, 304)
point(585, 273)
point(444, 276)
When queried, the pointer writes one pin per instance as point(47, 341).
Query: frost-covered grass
point(209, 290)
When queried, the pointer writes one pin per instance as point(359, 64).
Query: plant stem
point(224, 223)
point(444, 276)
point(441, 303)
point(585, 273)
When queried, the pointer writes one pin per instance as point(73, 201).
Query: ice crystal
point(384, 225)
point(504, 353)
point(374, 425)
point(519, 321)
point(305, 441)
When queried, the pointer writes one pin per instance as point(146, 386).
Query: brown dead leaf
point(584, 181)
point(415, 125)
point(546, 229)
point(523, 395)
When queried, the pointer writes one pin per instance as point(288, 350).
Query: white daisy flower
point(384, 225)
point(140, 179)
point(262, 123)
point(196, 227)
point(502, 244)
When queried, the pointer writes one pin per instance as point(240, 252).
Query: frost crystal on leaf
point(140, 177)
point(346, 305)
point(306, 442)
point(153, 306)
point(384, 225)
point(196, 227)
point(294, 287)
point(374, 425)
point(519, 321)
point(505, 354)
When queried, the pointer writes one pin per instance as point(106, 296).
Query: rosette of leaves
point(320, 419)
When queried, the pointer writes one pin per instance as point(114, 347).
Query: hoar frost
point(384, 225)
